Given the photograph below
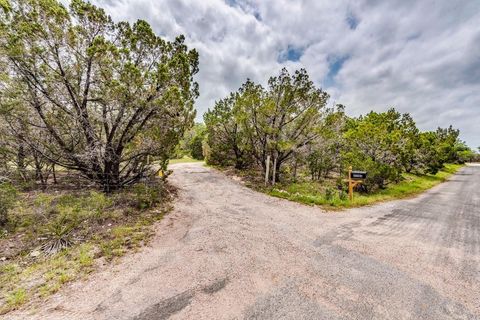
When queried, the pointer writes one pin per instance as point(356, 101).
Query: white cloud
point(421, 57)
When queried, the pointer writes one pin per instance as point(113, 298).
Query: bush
point(342, 195)
point(196, 147)
point(8, 195)
point(320, 164)
point(329, 194)
point(147, 195)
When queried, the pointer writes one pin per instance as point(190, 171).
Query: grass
point(17, 298)
point(185, 159)
point(95, 228)
point(314, 193)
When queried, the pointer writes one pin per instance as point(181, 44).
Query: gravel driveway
point(227, 252)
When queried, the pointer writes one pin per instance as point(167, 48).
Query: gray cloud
point(421, 57)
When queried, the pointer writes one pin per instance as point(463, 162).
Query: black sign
point(358, 175)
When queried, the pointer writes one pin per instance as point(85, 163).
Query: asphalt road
point(227, 252)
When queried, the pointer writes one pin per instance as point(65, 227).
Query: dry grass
point(59, 236)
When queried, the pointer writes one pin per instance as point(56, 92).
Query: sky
point(421, 57)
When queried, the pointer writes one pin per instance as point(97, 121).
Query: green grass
point(185, 159)
point(16, 298)
point(314, 193)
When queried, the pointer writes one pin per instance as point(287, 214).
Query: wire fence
point(65, 179)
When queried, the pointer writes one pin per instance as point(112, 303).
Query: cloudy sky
point(421, 57)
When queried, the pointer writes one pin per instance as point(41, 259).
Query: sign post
point(354, 178)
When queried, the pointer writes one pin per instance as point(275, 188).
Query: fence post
point(274, 170)
point(267, 169)
point(350, 184)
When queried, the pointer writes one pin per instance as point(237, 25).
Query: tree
point(104, 96)
point(325, 153)
point(429, 157)
point(447, 138)
point(8, 196)
point(196, 144)
point(192, 143)
point(375, 144)
point(282, 119)
point(463, 152)
point(226, 137)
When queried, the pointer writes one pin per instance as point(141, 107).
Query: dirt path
point(227, 252)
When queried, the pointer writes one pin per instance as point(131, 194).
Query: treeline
point(85, 94)
point(81, 93)
point(289, 122)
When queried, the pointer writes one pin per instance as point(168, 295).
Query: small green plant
point(8, 195)
point(146, 195)
point(16, 298)
point(329, 194)
point(59, 231)
point(85, 256)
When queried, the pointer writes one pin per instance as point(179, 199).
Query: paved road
point(227, 252)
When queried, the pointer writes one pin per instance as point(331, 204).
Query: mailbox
point(358, 175)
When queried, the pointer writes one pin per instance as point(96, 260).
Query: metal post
point(267, 170)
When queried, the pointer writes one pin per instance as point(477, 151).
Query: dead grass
point(81, 230)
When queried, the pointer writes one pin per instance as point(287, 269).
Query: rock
point(35, 253)
point(3, 258)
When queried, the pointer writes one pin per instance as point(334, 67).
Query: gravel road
point(227, 252)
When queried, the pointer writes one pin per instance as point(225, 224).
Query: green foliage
point(288, 121)
point(8, 196)
point(329, 193)
point(255, 122)
point(146, 195)
point(16, 298)
point(184, 159)
point(101, 100)
point(226, 138)
point(196, 147)
point(324, 153)
point(121, 238)
point(282, 119)
point(192, 143)
point(315, 193)
point(375, 144)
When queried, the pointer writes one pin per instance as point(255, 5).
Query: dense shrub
point(147, 195)
point(196, 145)
point(8, 195)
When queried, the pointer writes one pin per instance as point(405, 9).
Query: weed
point(16, 298)
point(329, 194)
point(146, 196)
point(8, 195)
point(85, 256)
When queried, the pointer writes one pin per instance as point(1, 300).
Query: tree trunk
point(21, 161)
point(295, 171)
point(54, 174)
